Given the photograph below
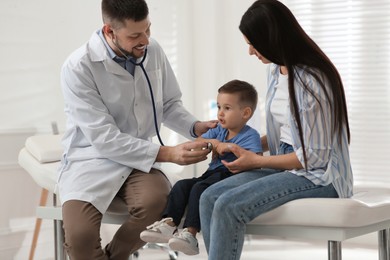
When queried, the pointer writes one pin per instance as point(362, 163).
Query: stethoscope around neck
point(141, 65)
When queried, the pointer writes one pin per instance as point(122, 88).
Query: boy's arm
point(212, 143)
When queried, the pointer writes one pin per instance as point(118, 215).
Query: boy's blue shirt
point(248, 138)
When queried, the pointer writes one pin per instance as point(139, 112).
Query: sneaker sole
point(154, 237)
point(182, 246)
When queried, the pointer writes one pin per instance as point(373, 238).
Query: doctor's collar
point(111, 52)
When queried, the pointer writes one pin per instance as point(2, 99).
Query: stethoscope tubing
point(141, 64)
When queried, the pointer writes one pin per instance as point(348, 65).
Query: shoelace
point(158, 223)
point(184, 234)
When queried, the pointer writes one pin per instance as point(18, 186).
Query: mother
point(307, 133)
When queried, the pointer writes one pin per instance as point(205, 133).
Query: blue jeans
point(226, 207)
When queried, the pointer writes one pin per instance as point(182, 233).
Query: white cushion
point(45, 148)
point(367, 206)
point(44, 174)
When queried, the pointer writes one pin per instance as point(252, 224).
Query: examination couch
point(331, 220)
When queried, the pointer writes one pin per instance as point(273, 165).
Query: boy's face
point(231, 115)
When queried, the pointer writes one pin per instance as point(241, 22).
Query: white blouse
point(280, 108)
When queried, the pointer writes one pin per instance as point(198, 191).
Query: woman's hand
point(245, 159)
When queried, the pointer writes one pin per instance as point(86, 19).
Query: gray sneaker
point(184, 242)
point(158, 232)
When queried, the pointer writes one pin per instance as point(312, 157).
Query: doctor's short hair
point(246, 92)
point(116, 12)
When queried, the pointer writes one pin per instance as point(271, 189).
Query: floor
point(278, 249)
point(255, 248)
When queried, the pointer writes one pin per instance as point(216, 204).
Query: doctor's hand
point(202, 127)
point(183, 154)
point(246, 160)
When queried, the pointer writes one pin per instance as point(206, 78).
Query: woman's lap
point(238, 180)
point(269, 190)
point(227, 206)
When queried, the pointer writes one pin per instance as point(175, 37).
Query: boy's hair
point(117, 12)
point(246, 92)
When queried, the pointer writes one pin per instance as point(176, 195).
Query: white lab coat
point(110, 120)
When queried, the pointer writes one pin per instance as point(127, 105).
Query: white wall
point(36, 38)
point(220, 53)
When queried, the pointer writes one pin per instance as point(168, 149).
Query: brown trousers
point(145, 195)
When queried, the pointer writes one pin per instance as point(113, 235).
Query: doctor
point(110, 124)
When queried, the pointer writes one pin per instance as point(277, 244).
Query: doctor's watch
point(210, 146)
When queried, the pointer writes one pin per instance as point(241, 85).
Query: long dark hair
point(273, 31)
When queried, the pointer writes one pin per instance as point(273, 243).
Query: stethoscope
point(141, 64)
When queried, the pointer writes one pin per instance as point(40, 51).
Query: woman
point(307, 133)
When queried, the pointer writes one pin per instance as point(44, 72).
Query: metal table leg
point(334, 250)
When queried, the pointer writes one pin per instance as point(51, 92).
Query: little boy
point(236, 101)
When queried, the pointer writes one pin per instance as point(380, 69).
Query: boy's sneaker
point(159, 232)
point(184, 242)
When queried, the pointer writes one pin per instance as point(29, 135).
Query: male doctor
point(108, 147)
